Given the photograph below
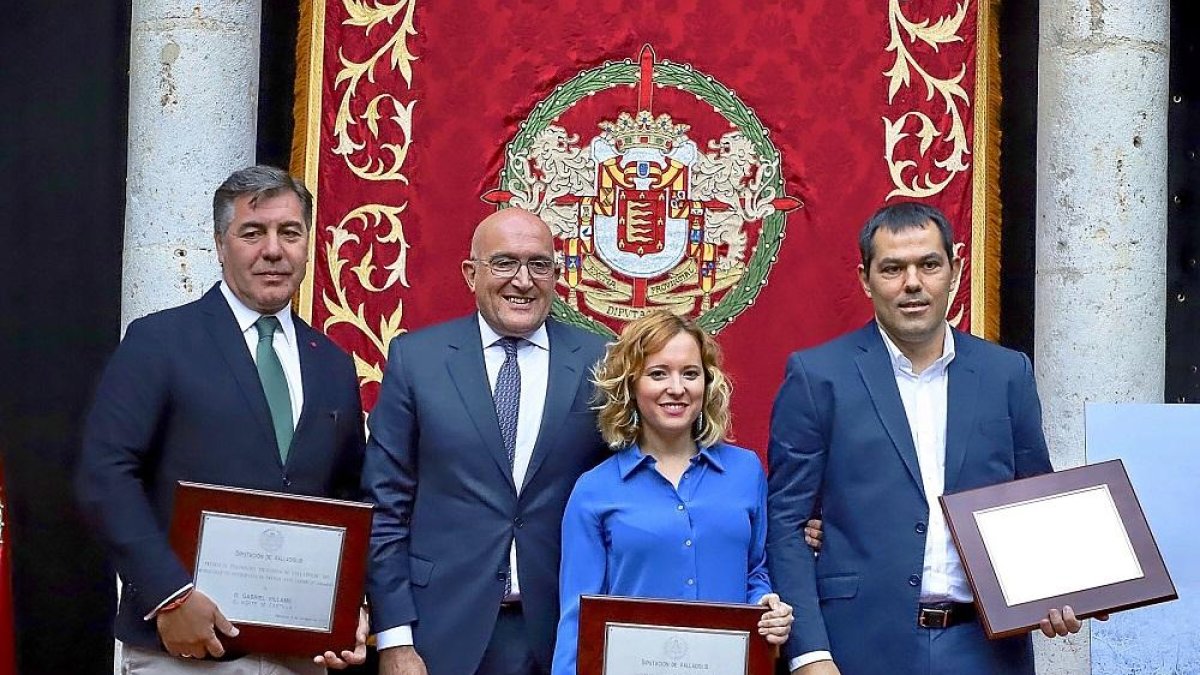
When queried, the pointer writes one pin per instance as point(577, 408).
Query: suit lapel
point(310, 380)
point(223, 328)
point(565, 371)
point(469, 374)
point(875, 366)
point(961, 393)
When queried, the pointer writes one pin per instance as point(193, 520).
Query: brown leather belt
point(944, 614)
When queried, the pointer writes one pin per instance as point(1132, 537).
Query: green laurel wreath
point(725, 103)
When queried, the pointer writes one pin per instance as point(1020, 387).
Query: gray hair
point(258, 181)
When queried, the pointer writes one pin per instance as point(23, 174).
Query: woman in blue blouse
point(675, 513)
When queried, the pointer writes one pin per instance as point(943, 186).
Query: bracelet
point(177, 602)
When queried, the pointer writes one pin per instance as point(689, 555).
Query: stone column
point(193, 108)
point(1101, 226)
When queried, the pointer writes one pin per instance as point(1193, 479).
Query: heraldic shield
point(643, 218)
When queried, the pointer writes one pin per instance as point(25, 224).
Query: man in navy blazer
point(470, 487)
point(869, 430)
point(183, 399)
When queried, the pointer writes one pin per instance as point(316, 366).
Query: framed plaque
point(1076, 537)
point(638, 636)
point(288, 570)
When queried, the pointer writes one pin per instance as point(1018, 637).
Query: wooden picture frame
point(690, 635)
point(265, 572)
point(1076, 537)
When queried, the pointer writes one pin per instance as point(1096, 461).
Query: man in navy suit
point(232, 389)
point(870, 429)
point(483, 424)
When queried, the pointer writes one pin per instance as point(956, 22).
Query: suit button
point(920, 528)
point(914, 580)
point(518, 522)
point(287, 482)
point(499, 575)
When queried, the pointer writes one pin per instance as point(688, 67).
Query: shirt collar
point(901, 363)
point(631, 457)
point(488, 336)
point(246, 317)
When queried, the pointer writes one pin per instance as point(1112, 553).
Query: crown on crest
point(643, 131)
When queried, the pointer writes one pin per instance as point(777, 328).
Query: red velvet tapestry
point(714, 158)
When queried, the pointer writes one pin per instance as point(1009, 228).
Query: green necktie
point(274, 383)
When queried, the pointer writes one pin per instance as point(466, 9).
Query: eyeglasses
point(507, 268)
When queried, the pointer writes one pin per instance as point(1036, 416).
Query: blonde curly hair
point(614, 378)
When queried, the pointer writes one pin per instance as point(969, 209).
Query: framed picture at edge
point(1005, 534)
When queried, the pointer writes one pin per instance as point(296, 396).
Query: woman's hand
point(776, 622)
point(813, 534)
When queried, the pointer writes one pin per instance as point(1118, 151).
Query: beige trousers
point(135, 661)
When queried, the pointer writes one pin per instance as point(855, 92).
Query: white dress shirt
point(284, 342)
point(924, 398)
point(289, 355)
point(533, 359)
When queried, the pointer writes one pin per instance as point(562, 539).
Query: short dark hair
point(903, 216)
point(259, 181)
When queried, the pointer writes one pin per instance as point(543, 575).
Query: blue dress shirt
point(627, 531)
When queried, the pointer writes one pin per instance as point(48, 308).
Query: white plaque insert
point(1059, 544)
point(634, 649)
point(270, 572)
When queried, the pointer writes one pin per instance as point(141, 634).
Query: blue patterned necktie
point(508, 396)
point(274, 383)
point(508, 404)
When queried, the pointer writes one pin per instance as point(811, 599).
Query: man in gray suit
point(483, 424)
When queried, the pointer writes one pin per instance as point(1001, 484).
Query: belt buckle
point(933, 618)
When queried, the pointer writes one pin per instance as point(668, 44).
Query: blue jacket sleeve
point(118, 447)
point(389, 481)
point(583, 571)
point(1029, 441)
point(796, 456)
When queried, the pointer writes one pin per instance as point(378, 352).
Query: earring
point(699, 426)
point(634, 419)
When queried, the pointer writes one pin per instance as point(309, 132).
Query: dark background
point(1183, 211)
point(64, 90)
point(64, 98)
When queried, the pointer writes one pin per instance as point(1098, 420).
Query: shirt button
point(914, 580)
point(691, 582)
point(687, 542)
point(679, 507)
point(920, 528)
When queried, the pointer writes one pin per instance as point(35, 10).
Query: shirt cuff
point(154, 612)
point(805, 659)
point(400, 636)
